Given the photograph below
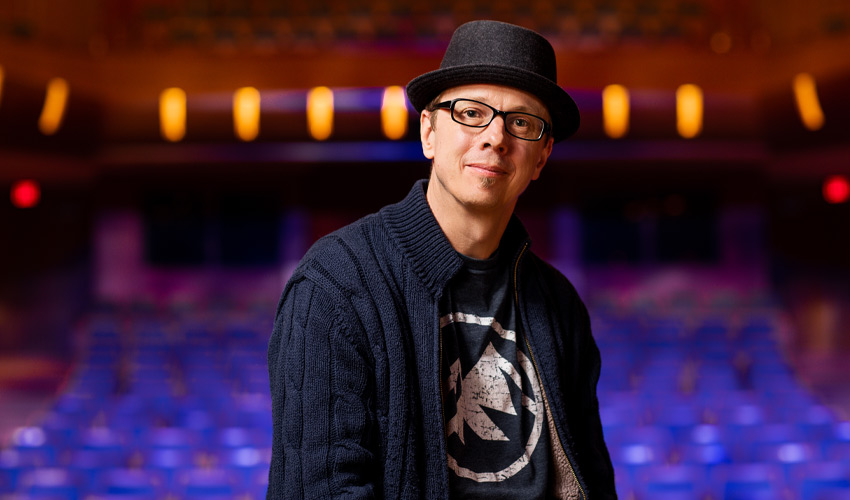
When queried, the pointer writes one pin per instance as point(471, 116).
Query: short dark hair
point(431, 107)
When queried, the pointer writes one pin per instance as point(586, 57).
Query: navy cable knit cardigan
point(354, 362)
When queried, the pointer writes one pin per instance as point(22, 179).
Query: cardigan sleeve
point(321, 385)
point(601, 481)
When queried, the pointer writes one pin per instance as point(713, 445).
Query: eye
point(521, 122)
point(471, 113)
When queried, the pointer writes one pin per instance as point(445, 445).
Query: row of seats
point(695, 404)
point(157, 407)
point(701, 404)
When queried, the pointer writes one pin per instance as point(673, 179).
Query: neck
point(471, 231)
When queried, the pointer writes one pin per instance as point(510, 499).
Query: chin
point(484, 198)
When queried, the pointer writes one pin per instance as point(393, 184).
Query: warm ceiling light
point(172, 114)
point(55, 102)
point(320, 113)
point(394, 113)
point(246, 113)
point(689, 110)
point(808, 104)
point(615, 110)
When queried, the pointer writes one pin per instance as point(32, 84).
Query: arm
point(321, 385)
point(601, 480)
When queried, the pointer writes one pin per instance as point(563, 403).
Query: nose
point(494, 135)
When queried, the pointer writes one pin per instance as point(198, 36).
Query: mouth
point(486, 170)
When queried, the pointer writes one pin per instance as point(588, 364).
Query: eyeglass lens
point(476, 114)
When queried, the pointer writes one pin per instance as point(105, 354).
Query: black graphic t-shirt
point(496, 432)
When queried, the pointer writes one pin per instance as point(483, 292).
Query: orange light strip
point(246, 113)
point(615, 111)
point(394, 113)
point(689, 107)
point(55, 102)
point(808, 104)
point(320, 113)
point(172, 114)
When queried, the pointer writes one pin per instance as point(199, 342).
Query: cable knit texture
point(354, 362)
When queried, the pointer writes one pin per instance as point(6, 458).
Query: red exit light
point(836, 189)
point(25, 193)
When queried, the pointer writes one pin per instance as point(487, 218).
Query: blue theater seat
point(169, 462)
point(120, 496)
point(175, 438)
point(87, 464)
point(241, 437)
point(811, 480)
point(837, 450)
point(50, 482)
point(112, 445)
point(703, 454)
point(671, 481)
point(748, 480)
point(841, 431)
point(8, 479)
point(37, 496)
point(787, 453)
point(704, 444)
point(830, 494)
point(675, 414)
point(202, 422)
point(762, 443)
point(817, 420)
point(716, 377)
point(33, 447)
point(208, 483)
point(130, 482)
point(744, 417)
point(259, 484)
point(11, 467)
point(245, 462)
point(60, 429)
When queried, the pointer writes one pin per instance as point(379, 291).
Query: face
point(482, 169)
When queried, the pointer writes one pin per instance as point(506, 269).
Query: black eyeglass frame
point(450, 105)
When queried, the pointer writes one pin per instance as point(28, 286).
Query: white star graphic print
point(487, 386)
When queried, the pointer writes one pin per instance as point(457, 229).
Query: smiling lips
point(487, 170)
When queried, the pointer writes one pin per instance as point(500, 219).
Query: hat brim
point(563, 110)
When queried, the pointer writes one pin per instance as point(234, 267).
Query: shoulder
point(348, 242)
point(339, 259)
point(552, 278)
point(555, 290)
point(327, 281)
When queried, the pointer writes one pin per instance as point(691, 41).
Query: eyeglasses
point(476, 114)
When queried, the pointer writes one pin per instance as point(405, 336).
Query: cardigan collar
point(419, 237)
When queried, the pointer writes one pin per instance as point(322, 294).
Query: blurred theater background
point(164, 164)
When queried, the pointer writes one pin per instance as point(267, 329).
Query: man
point(424, 351)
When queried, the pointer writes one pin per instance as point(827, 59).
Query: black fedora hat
point(504, 54)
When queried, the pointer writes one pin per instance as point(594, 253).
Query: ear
point(426, 134)
point(545, 151)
